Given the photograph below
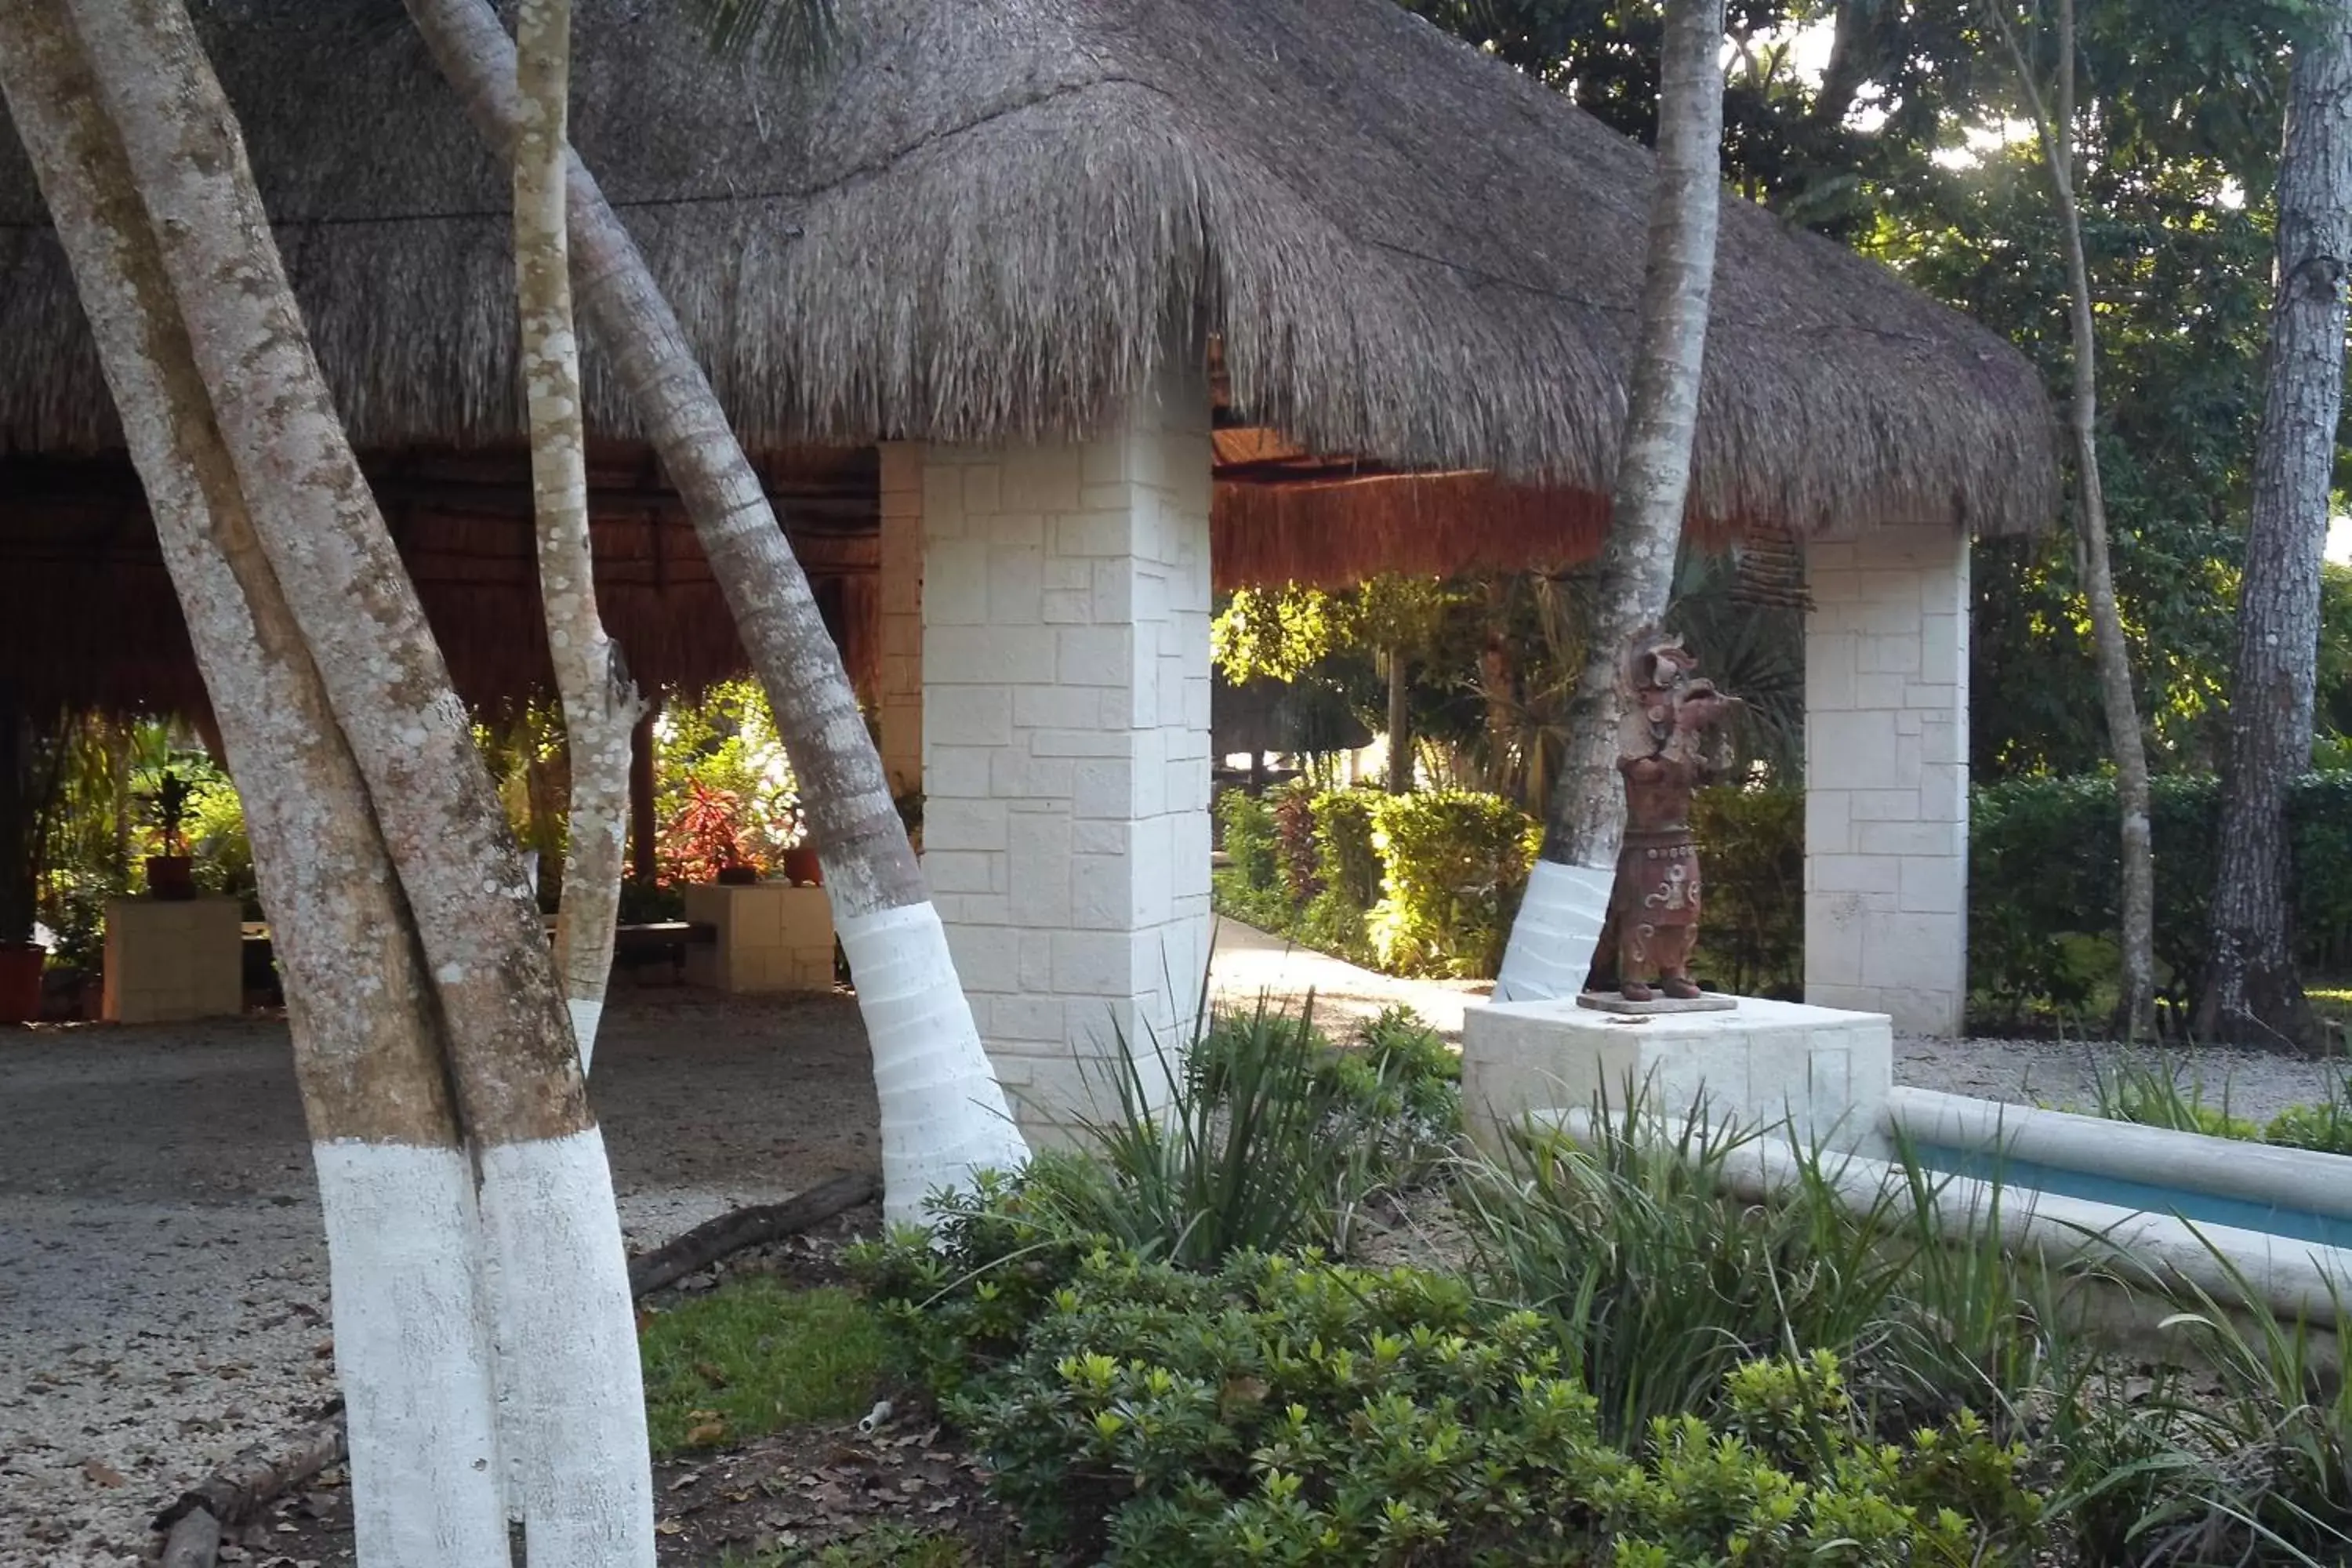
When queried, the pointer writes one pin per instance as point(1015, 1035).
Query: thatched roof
point(996, 217)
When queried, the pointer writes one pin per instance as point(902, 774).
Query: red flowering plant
point(705, 836)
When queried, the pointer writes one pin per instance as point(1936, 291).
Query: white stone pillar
point(1066, 746)
point(899, 701)
point(1886, 769)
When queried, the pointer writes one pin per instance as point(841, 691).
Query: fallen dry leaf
point(102, 1473)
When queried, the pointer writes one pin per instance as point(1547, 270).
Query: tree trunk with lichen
point(395, 1184)
point(600, 706)
point(2253, 994)
point(944, 1116)
point(1400, 780)
point(545, 1185)
point(2135, 1008)
point(1560, 922)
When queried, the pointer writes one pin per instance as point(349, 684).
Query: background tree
point(2054, 122)
point(601, 705)
point(2253, 992)
point(1558, 924)
point(545, 1185)
point(395, 1184)
point(944, 1116)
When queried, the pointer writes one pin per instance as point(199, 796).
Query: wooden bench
point(660, 941)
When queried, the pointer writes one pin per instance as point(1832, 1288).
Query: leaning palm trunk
point(545, 1185)
point(943, 1114)
point(395, 1185)
point(1560, 922)
point(2135, 1010)
point(600, 704)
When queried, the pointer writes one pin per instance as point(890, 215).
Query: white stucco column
point(899, 701)
point(1065, 744)
point(1886, 748)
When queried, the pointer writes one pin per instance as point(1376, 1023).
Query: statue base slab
point(1817, 1074)
point(1610, 1002)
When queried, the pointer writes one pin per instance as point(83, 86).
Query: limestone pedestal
point(772, 936)
point(167, 961)
point(1775, 1065)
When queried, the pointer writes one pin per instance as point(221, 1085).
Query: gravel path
point(162, 1272)
point(163, 1275)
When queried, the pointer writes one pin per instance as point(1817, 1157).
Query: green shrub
point(1295, 1412)
point(1247, 827)
point(1231, 895)
point(1752, 859)
point(2043, 867)
point(647, 903)
point(1346, 862)
point(1455, 863)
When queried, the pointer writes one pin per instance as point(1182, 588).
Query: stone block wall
point(1886, 750)
point(1065, 744)
point(899, 701)
point(168, 960)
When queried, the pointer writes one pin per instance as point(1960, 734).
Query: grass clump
point(1262, 1136)
point(755, 1357)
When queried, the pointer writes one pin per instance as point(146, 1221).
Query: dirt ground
point(162, 1272)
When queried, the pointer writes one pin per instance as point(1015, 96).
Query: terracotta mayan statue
point(1668, 745)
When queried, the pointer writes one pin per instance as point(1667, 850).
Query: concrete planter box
point(770, 936)
point(1761, 1064)
point(174, 960)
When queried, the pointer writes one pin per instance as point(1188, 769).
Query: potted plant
point(31, 764)
point(800, 866)
point(172, 874)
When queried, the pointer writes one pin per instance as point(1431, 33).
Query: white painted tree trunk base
point(405, 1275)
point(571, 1335)
point(586, 1015)
point(1557, 932)
point(944, 1116)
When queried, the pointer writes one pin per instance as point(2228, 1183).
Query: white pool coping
point(2293, 1278)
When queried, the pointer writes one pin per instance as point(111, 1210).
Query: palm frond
point(799, 37)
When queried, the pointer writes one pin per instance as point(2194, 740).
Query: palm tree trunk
point(545, 1185)
point(2135, 1009)
point(2253, 994)
point(601, 705)
point(1560, 921)
point(395, 1185)
point(943, 1114)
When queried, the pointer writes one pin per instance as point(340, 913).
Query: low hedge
point(1427, 883)
point(1455, 863)
point(2045, 875)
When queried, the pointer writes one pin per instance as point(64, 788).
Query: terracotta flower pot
point(172, 877)
point(803, 868)
point(738, 875)
point(20, 982)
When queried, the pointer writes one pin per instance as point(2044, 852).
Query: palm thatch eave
point(999, 218)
